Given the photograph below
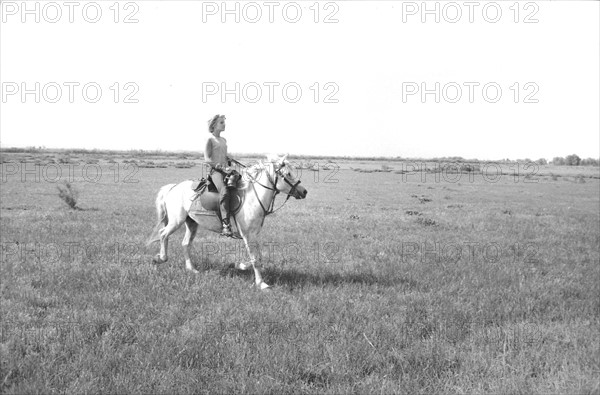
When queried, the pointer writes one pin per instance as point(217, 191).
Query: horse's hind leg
point(171, 227)
point(190, 232)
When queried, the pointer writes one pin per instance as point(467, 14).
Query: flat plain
point(387, 278)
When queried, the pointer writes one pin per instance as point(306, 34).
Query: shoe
point(231, 181)
point(226, 229)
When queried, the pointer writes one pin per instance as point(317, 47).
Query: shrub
point(469, 167)
point(184, 165)
point(68, 194)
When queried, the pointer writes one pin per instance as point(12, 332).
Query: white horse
point(256, 194)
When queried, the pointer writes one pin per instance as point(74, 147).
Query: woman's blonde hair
point(213, 122)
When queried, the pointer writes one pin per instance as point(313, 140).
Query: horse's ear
point(282, 160)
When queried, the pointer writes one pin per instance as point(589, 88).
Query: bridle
point(276, 191)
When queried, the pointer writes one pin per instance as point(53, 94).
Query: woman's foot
point(226, 229)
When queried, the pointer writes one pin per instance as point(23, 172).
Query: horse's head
point(285, 182)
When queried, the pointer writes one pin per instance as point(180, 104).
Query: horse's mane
point(254, 170)
point(269, 159)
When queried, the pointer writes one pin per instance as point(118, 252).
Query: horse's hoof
point(242, 266)
point(191, 269)
point(188, 266)
point(157, 260)
point(264, 287)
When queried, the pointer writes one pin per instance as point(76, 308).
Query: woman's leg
point(219, 182)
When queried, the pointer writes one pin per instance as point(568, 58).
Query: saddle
point(205, 201)
point(232, 181)
point(203, 184)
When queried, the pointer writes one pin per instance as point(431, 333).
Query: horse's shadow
point(293, 278)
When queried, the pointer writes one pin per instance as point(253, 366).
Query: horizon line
point(246, 154)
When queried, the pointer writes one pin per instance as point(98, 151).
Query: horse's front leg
point(260, 284)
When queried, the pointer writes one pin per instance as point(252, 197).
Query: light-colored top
point(215, 151)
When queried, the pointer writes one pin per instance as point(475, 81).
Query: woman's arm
point(208, 151)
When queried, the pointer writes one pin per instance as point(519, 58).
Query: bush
point(68, 194)
point(65, 160)
point(469, 167)
point(184, 165)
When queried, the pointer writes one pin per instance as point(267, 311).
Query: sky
point(345, 78)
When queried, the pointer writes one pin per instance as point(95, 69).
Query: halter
point(276, 191)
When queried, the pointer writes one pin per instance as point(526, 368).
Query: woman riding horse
point(215, 155)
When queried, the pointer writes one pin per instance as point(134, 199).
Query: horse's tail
point(161, 213)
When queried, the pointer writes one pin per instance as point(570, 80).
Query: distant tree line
point(570, 160)
point(574, 160)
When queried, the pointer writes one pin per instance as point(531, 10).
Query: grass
point(381, 284)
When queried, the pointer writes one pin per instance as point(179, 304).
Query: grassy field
point(384, 280)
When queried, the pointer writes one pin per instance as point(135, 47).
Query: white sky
point(368, 54)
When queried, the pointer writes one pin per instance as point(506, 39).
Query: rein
point(276, 191)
